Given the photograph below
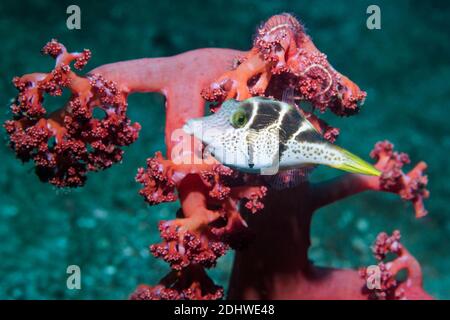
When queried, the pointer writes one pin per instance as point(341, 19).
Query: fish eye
point(239, 119)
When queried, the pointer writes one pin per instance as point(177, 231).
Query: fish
point(266, 136)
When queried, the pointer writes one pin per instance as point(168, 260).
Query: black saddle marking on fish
point(291, 122)
point(309, 135)
point(288, 122)
point(248, 109)
point(247, 106)
point(267, 113)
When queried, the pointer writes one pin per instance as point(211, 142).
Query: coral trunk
point(277, 266)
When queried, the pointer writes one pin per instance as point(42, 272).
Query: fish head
point(231, 137)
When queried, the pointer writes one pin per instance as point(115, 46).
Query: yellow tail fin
point(355, 164)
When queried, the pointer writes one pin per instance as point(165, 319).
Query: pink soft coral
point(81, 142)
point(389, 287)
point(218, 205)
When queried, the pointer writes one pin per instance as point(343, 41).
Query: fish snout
point(194, 127)
point(189, 127)
point(202, 130)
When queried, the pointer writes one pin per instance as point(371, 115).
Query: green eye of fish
point(239, 119)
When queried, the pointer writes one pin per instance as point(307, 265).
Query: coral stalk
point(409, 186)
point(179, 78)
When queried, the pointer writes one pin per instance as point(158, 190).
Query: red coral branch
point(209, 216)
point(389, 287)
point(157, 182)
point(82, 142)
point(208, 222)
point(179, 78)
point(409, 186)
point(284, 52)
point(191, 283)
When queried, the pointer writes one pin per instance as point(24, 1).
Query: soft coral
point(217, 203)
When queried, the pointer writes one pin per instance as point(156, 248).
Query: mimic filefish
point(265, 136)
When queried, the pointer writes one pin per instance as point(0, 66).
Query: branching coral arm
point(327, 192)
point(409, 186)
point(284, 56)
point(179, 78)
point(71, 141)
point(388, 286)
point(83, 142)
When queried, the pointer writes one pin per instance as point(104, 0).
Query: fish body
point(265, 136)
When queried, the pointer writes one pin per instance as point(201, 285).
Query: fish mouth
point(198, 128)
point(193, 127)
